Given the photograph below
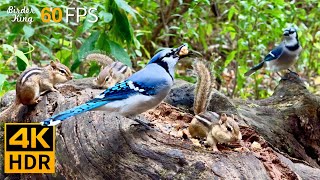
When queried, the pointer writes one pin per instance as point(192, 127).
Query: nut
point(183, 51)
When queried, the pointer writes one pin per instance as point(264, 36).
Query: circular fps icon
point(56, 14)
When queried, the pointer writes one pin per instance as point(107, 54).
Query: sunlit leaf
point(5, 14)
point(231, 12)
point(124, 5)
point(107, 17)
point(3, 78)
point(230, 57)
point(28, 31)
point(8, 47)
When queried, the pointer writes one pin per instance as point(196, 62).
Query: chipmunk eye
point(229, 128)
point(62, 71)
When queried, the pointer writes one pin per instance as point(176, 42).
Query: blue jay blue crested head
point(290, 33)
point(168, 58)
point(142, 91)
point(283, 56)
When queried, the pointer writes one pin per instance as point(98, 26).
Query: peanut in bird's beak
point(184, 51)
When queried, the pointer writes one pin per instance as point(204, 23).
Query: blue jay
point(142, 91)
point(283, 56)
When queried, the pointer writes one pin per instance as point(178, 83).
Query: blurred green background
point(232, 36)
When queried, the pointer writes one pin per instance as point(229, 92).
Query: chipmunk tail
point(204, 87)
point(99, 57)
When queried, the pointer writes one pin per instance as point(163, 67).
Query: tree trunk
point(99, 145)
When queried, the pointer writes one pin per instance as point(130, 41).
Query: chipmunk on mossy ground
point(33, 83)
point(207, 124)
point(112, 72)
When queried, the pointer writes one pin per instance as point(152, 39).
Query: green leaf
point(64, 56)
point(44, 49)
point(23, 57)
point(36, 10)
point(87, 24)
point(21, 64)
point(231, 12)
point(15, 32)
point(230, 57)
point(3, 78)
point(119, 53)
point(202, 36)
point(121, 28)
point(88, 44)
point(5, 14)
point(124, 5)
point(102, 44)
point(107, 17)
point(86, 47)
point(28, 31)
point(138, 52)
point(8, 47)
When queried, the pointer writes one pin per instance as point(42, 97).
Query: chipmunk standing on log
point(207, 124)
point(33, 83)
point(112, 72)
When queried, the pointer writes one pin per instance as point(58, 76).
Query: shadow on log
point(99, 145)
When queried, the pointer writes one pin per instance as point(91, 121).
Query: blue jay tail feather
point(254, 69)
point(58, 118)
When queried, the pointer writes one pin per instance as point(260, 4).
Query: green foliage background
point(232, 35)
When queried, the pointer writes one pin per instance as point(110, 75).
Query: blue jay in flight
point(283, 56)
point(142, 91)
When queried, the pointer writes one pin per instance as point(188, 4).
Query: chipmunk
point(207, 124)
point(112, 73)
point(34, 82)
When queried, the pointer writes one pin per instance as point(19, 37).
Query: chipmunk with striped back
point(206, 124)
point(33, 83)
point(113, 71)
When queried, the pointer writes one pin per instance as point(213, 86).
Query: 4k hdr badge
point(29, 148)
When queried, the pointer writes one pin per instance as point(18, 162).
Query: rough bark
point(98, 145)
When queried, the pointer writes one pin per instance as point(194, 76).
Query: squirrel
point(113, 72)
point(207, 124)
point(33, 83)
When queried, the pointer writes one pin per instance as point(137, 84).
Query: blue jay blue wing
point(120, 91)
point(123, 90)
point(274, 54)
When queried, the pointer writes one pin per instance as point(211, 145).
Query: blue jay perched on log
point(142, 91)
point(283, 56)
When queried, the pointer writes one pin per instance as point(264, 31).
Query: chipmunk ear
point(223, 117)
point(53, 64)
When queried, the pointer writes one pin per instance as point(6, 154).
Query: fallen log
point(99, 145)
